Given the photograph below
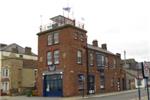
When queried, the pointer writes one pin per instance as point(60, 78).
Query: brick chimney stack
point(104, 46)
point(95, 43)
point(27, 50)
point(118, 54)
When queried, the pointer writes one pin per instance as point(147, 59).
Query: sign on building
point(145, 69)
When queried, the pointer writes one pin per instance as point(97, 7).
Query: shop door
point(52, 85)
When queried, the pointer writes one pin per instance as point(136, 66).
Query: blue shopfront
point(52, 85)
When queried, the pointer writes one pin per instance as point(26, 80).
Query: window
point(5, 87)
point(56, 38)
point(53, 38)
point(79, 56)
point(114, 63)
point(91, 83)
point(50, 39)
point(75, 35)
point(82, 37)
point(106, 61)
point(49, 58)
point(100, 59)
point(91, 59)
point(81, 81)
point(5, 72)
point(102, 82)
point(56, 57)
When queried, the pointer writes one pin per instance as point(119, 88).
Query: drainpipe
point(87, 73)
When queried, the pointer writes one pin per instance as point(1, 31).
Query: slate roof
point(99, 49)
point(9, 48)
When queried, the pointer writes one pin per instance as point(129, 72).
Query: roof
point(99, 49)
point(60, 18)
point(132, 60)
point(9, 48)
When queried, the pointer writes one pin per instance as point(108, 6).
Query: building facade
point(68, 66)
point(18, 68)
point(131, 69)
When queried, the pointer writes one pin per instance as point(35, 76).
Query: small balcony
point(59, 21)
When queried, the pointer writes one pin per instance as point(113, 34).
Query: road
point(123, 96)
point(127, 95)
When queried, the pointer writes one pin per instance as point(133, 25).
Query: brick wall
point(68, 46)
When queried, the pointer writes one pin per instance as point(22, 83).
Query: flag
point(67, 9)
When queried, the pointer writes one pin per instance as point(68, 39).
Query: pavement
point(69, 98)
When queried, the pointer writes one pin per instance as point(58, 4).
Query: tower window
point(79, 56)
point(56, 57)
point(49, 58)
point(56, 38)
point(53, 38)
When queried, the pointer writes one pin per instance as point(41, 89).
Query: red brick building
point(68, 66)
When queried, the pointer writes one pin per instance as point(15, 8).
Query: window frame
point(50, 39)
point(55, 38)
point(91, 59)
point(79, 57)
point(81, 80)
point(5, 72)
point(100, 60)
point(49, 58)
point(56, 56)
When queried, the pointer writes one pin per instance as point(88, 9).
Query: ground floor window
point(81, 79)
point(102, 82)
point(5, 87)
point(91, 84)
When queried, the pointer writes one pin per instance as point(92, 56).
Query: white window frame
point(5, 73)
point(50, 39)
point(79, 57)
point(56, 37)
point(56, 57)
point(91, 58)
point(49, 58)
point(5, 86)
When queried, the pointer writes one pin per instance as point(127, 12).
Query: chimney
point(118, 54)
point(2, 45)
point(27, 50)
point(95, 43)
point(104, 46)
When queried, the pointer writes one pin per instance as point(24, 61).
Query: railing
point(50, 26)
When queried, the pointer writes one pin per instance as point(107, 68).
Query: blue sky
point(122, 24)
